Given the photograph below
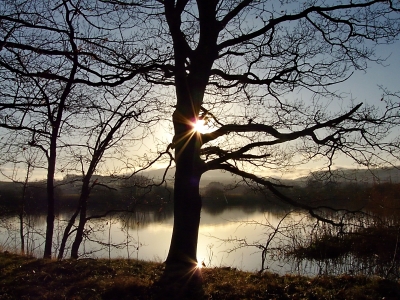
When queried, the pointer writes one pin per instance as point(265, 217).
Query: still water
point(146, 235)
point(227, 238)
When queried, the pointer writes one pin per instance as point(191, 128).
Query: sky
point(362, 86)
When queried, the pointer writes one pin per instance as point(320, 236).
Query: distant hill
point(210, 176)
point(378, 175)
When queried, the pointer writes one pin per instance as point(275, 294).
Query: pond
point(230, 237)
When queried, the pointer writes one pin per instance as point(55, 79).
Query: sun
point(200, 126)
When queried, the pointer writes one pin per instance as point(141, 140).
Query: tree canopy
point(236, 65)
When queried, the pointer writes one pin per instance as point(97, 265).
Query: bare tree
point(237, 66)
point(52, 65)
point(274, 235)
point(10, 163)
point(31, 103)
point(122, 118)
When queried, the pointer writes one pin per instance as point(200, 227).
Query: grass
point(24, 277)
point(382, 242)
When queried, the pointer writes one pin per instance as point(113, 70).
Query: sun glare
point(200, 126)
point(199, 265)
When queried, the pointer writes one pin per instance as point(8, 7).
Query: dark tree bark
point(250, 55)
point(196, 52)
point(67, 232)
point(22, 207)
point(50, 196)
point(114, 126)
point(190, 91)
point(82, 217)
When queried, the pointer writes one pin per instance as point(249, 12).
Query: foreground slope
point(24, 277)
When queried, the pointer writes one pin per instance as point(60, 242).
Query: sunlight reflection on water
point(149, 238)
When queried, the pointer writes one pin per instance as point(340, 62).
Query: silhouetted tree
point(110, 121)
point(32, 103)
point(237, 66)
point(28, 161)
point(47, 63)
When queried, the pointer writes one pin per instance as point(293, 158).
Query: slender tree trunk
point(21, 230)
point(22, 210)
point(67, 232)
point(52, 156)
point(21, 218)
point(79, 232)
point(82, 218)
point(82, 205)
point(50, 199)
point(50, 220)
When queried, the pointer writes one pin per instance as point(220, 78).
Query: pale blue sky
point(363, 87)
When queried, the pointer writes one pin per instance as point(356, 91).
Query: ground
point(23, 277)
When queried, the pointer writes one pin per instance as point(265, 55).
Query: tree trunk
point(50, 201)
point(21, 231)
point(82, 219)
point(187, 208)
point(79, 233)
point(22, 210)
point(190, 84)
point(67, 232)
point(82, 206)
point(181, 276)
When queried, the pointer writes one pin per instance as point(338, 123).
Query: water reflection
point(229, 237)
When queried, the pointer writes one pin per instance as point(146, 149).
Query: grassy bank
point(29, 278)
